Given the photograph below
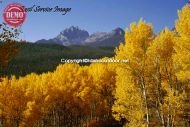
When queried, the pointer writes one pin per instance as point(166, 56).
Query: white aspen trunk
point(145, 100)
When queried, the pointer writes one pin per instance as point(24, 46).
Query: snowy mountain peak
point(72, 35)
point(76, 36)
point(72, 29)
point(106, 38)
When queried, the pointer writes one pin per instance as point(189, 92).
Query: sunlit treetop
point(183, 23)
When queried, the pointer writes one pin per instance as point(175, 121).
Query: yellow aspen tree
point(103, 76)
point(36, 92)
point(129, 105)
point(165, 86)
point(183, 43)
point(73, 85)
point(12, 102)
point(182, 56)
point(137, 40)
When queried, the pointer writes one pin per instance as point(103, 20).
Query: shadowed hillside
point(40, 58)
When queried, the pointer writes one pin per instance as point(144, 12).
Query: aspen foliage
point(183, 43)
point(73, 93)
point(169, 94)
point(129, 103)
point(133, 80)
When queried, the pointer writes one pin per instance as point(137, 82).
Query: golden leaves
point(183, 23)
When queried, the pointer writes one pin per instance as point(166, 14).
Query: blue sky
point(95, 15)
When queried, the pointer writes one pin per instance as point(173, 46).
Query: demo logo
point(14, 14)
